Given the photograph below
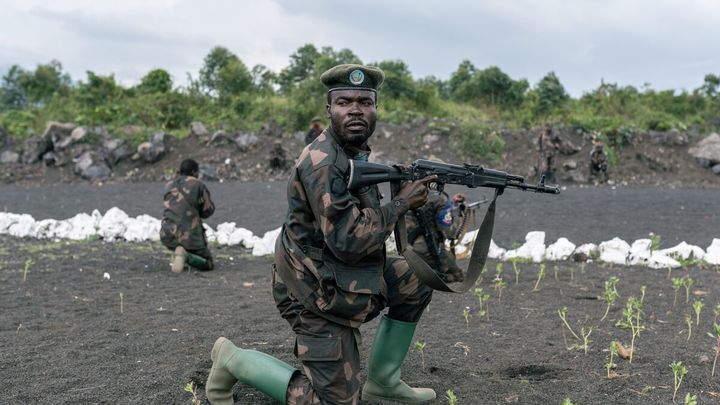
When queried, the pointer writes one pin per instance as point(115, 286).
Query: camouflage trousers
point(330, 352)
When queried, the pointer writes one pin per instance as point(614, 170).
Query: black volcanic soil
point(66, 339)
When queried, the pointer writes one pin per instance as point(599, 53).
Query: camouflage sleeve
point(206, 207)
point(348, 231)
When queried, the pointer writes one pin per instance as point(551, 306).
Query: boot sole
point(371, 397)
point(178, 263)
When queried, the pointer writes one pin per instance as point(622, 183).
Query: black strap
point(477, 259)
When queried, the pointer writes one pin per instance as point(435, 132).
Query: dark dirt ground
point(65, 339)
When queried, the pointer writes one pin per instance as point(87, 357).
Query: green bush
point(477, 141)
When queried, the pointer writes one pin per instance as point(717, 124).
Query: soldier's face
point(352, 115)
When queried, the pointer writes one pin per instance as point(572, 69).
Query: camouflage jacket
point(187, 201)
point(331, 252)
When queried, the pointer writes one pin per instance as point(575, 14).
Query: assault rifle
point(364, 174)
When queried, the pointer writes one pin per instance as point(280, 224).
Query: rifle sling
point(477, 259)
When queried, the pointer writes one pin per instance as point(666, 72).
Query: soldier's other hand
point(416, 192)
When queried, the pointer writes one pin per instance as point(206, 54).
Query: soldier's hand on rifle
point(416, 192)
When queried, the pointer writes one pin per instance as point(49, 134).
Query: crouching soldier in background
point(428, 229)
point(187, 202)
point(598, 162)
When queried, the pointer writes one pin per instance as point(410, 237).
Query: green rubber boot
point(196, 261)
point(231, 364)
point(389, 348)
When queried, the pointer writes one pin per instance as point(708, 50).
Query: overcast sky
point(667, 43)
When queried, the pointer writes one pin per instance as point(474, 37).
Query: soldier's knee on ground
point(332, 367)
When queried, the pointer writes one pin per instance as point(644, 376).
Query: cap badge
point(357, 77)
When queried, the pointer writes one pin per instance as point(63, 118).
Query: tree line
point(227, 93)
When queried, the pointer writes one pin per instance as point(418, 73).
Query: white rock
point(141, 229)
point(6, 220)
point(640, 252)
point(495, 251)
point(533, 248)
point(588, 249)
point(615, 250)
point(684, 251)
point(560, 250)
point(210, 234)
point(106, 276)
point(266, 245)
point(242, 236)
point(45, 229)
point(712, 255)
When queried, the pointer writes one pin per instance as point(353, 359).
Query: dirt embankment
point(650, 158)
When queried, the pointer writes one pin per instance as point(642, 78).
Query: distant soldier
point(430, 226)
point(187, 202)
point(277, 159)
point(548, 145)
point(315, 130)
point(598, 162)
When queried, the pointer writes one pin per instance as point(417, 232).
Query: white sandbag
point(495, 251)
point(83, 226)
point(113, 224)
point(45, 229)
point(22, 226)
point(685, 251)
point(266, 245)
point(712, 254)
point(6, 220)
point(142, 228)
point(661, 261)
point(640, 252)
point(224, 231)
point(210, 234)
point(533, 248)
point(242, 236)
point(615, 250)
point(560, 250)
point(588, 249)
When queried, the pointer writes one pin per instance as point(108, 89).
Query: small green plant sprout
point(609, 366)
point(420, 347)
point(499, 268)
point(631, 319)
point(690, 399)
point(687, 283)
point(642, 293)
point(562, 312)
point(716, 312)
point(679, 372)
point(654, 241)
point(677, 283)
point(610, 294)
point(28, 263)
point(572, 273)
point(586, 337)
point(482, 298)
point(451, 398)
point(716, 329)
point(556, 269)
point(688, 322)
point(499, 285)
point(515, 261)
point(192, 389)
point(541, 275)
point(697, 307)
point(466, 315)
point(567, 401)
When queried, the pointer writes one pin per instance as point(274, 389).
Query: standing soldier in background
point(331, 272)
point(430, 226)
point(278, 158)
point(314, 131)
point(187, 202)
point(548, 145)
point(598, 162)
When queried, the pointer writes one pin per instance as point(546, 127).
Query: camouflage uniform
point(187, 201)
point(444, 223)
point(333, 274)
point(598, 162)
point(548, 144)
point(277, 159)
